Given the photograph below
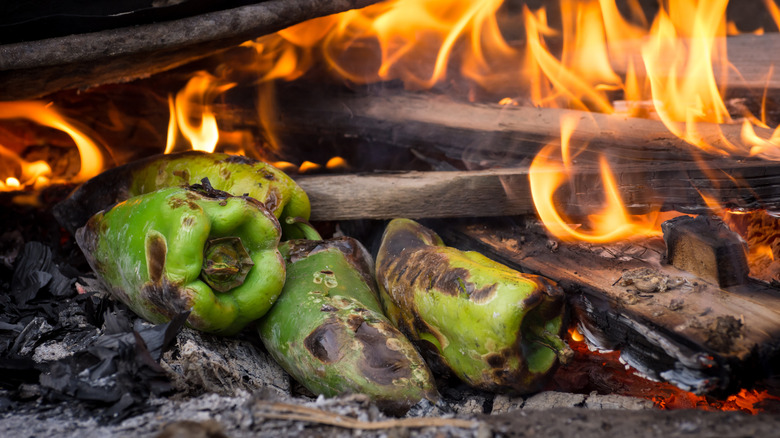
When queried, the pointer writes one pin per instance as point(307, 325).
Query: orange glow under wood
point(617, 378)
point(30, 173)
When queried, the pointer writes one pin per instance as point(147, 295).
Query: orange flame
point(38, 173)
point(612, 223)
point(192, 114)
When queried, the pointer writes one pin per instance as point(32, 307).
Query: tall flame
point(192, 114)
point(612, 223)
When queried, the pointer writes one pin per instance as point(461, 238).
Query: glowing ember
point(614, 376)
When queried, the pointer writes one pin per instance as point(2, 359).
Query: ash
point(75, 363)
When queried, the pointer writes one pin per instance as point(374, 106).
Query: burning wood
point(671, 324)
point(666, 323)
point(35, 68)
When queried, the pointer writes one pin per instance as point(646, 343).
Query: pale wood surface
point(504, 192)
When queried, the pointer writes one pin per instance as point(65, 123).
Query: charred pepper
point(493, 327)
point(234, 174)
point(328, 331)
point(194, 248)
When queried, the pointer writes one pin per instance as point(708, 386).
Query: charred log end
point(706, 247)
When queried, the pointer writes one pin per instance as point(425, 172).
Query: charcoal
point(11, 243)
point(28, 338)
point(16, 371)
point(35, 271)
point(118, 369)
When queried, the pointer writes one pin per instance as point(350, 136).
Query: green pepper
point(328, 331)
point(193, 248)
point(493, 327)
point(234, 174)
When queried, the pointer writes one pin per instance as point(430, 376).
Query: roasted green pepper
point(193, 248)
point(495, 328)
point(234, 174)
point(328, 331)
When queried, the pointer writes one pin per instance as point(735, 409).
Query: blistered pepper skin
point(328, 331)
point(237, 175)
point(161, 252)
point(493, 327)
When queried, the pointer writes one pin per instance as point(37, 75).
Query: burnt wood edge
point(36, 68)
point(655, 351)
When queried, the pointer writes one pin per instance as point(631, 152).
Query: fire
point(38, 173)
point(191, 112)
point(612, 223)
point(595, 57)
point(614, 376)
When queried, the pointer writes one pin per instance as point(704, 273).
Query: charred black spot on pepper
point(328, 308)
point(156, 252)
point(324, 342)
point(532, 300)
point(403, 239)
point(175, 202)
point(327, 272)
point(269, 176)
point(187, 222)
point(484, 294)
point(240, 159)
point(354, 322)
point(184, 175)
point(273, 199)
point(380, 363)
point(167, 298)
point(496, 360)
point(451, 281)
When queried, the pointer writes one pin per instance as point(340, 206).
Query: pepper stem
point(309, 232)
point(226, 263)
point(544, 337)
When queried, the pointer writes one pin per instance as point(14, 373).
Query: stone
point(553, 399)
point(612, 401)
point(503, 403)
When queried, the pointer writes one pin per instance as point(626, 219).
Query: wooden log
point(480, 133)
point(35, 68)
point(667, 323)
point(505, 192)
point(751, 58)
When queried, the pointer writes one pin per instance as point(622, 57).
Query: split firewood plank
point(505, 192)
point(485, 132)
point(667, 323)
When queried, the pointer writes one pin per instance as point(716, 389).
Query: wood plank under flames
point(683, 330)
point(654, 169)
point(505, 192)
point(478, 131)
